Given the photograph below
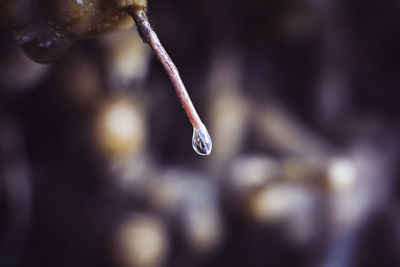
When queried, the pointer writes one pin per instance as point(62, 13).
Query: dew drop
point(201, 141)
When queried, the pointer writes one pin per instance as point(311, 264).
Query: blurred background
point(301, 98)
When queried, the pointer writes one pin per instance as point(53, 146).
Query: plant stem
point(150, 37)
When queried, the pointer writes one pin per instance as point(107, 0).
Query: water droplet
point(201, 141)
point(42, 46)
point(45, 50)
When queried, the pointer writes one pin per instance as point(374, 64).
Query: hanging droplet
point(201, 141)
point(45, 50)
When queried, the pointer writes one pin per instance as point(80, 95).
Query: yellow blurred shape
point(229, 115)
point(141, 241)
point(121, 128)
point(293, 207)
point(203, 230)
point(253, 171)
point(127, 57)
point(268, 204)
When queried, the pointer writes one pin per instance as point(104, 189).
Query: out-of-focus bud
point(351, 195)
point(121, 128)
point(292, 206)
point(228, 119)
point(342, 174)
point(192, 200)
point(269, 204)
point(252, 171)
point(141, 241)
point(201, 222)
point(203, 229)
point(127, 57)
point(228, 108)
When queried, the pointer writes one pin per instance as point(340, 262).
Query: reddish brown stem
point(149, 36)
